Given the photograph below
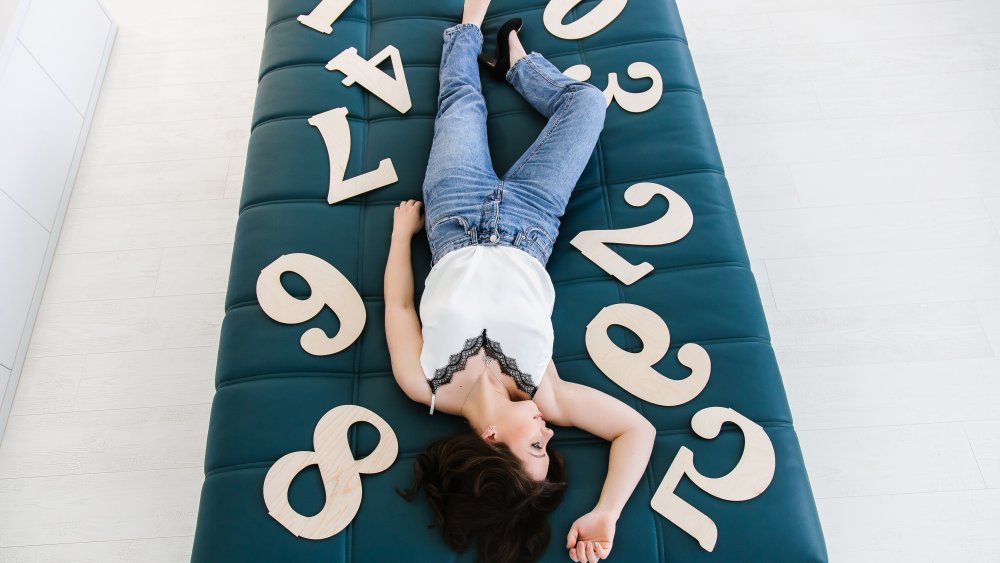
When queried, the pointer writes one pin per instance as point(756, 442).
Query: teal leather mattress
point(271, 393)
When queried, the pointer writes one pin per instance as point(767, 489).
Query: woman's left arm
point(631, 437)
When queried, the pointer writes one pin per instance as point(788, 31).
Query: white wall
point(52, 61)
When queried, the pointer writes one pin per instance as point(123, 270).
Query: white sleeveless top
point(495, 297)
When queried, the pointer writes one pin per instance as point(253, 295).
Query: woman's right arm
point(402, 325)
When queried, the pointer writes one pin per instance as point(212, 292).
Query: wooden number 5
point(750, 477)
point(328, 287)
point(634, 371)
point(671, 227)
point(634, 102)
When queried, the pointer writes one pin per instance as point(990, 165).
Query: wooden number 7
point(750, 477)
point(671, 227)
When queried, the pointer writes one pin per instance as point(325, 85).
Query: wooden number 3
point(635, 102)
point(341, 473)
point(671, 227)
point(634, 371)
point(328, 287)
point(750, 477)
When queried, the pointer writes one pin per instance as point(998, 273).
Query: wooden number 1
point(750, 477)
point(323, 15)
point(671, 227)
point(336, 135)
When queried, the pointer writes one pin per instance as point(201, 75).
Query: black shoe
point(500, 64)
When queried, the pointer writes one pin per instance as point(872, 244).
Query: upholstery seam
point(567, 442)
point(261, 75)
point(599, 277)
point(304, 374)
point(644, 177)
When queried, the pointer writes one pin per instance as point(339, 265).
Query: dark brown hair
point(480, 491)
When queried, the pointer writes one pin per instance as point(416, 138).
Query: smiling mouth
point(539, 415)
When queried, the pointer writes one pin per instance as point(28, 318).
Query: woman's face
point(522, 428)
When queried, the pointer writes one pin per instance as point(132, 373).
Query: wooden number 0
point(634, 102)
point(597, 19)
point(340, 472)
point(328, 286)
point(634, 371)
point(750, 477)
point(336, 135)
point(671, 227)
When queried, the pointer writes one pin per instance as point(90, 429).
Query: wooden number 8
point(329, 287)
point(750, 477)
point(340, 472)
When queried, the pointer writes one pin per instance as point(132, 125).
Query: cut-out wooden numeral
point(634, 371)
point(597, 19)
point(392, 91)
point(327, 286)
point(671, 227)
point(336, 134)
point(635, 102)
point(324, 14)
point(751, 476)
point(340, 471)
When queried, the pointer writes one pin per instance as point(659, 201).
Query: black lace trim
point(456, 362)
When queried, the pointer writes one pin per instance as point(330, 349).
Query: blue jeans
point(465, 203)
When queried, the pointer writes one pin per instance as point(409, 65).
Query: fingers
point(589, 552)
point(602, 551)
point(571, 538)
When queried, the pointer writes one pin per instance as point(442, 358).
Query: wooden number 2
point(750, 477)
point(336, 135)
point(340, 471)
point(324, 14)
point(634, 371)
point(597, 19)
point(328, 287)
point(634, 102)
point(392, 91)
point(671, 227)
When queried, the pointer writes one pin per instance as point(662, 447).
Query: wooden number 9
point(328, 286)
point(634, 371)
point(750, 477)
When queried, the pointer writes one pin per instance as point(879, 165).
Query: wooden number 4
point(392, 91)
point(671, 227)
point(750, 477)
point(336, 135)
point(328, 287)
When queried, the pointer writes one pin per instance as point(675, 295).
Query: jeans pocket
point(439, 228)
point(536, 235)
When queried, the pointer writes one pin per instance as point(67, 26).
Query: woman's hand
point(407, 219)
point(590, 537)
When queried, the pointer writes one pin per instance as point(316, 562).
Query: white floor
point(862, 142)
